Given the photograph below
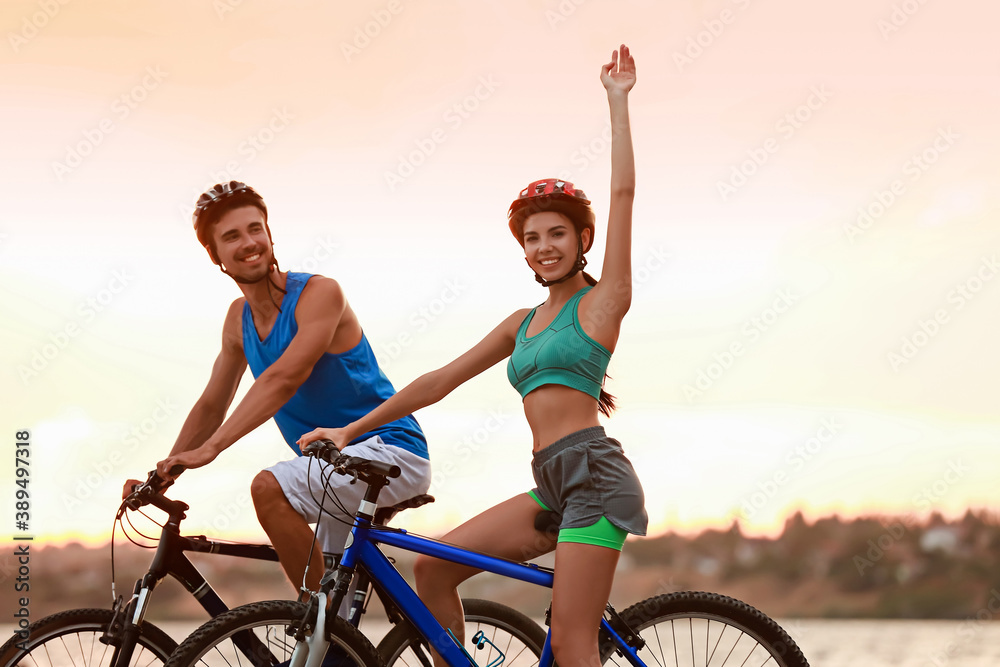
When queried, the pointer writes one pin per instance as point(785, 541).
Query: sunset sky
point(816, 243)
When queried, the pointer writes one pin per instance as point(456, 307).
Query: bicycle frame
point(362, 549)
point(169, 559)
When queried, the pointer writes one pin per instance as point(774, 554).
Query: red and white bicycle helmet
point(551, 194)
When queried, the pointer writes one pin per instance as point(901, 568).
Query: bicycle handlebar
point(151, 491)
point(349, 465)
point(322, 449)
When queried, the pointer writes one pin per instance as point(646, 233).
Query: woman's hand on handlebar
point(338, 436)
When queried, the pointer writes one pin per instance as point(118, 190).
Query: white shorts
point(302, 485)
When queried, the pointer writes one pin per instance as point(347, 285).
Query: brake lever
point(153, 485)
point(352, 472)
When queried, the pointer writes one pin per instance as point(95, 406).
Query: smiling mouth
point(251, 258)
point(549, 262)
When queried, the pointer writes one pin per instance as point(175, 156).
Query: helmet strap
point(270, 281)
point(580, 265)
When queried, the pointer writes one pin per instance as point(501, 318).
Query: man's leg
point(288, 532)
point(290, 493)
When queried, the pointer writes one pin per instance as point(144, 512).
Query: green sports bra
point(562, 353)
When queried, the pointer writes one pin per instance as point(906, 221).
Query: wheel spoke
point(72, 639)
point(719, 632)
point(718, 640)
point(255, 634)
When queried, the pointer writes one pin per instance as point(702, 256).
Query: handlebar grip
point(392, 471)
point(322, 449)
point(369, 466)
point(157, 484)
point(327, 451)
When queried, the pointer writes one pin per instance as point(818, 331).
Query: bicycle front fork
point(125, 627)
point(310, 650)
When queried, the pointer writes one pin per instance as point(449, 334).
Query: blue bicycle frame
point(362, 548)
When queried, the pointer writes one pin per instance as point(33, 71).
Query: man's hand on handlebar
point(172, 466)
point(155, 480)
point(134, 489)
point(130, 486)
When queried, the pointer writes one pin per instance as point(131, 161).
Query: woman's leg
point(506, 530)
point(583, 578)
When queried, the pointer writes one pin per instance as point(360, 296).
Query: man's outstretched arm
point(209, 411)
point(318, 313)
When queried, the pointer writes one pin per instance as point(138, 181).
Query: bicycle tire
point(517, 636)
point(212, 643)
point(705, 629)
point(73, 638)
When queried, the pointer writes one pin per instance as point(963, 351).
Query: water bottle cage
point(480, 641)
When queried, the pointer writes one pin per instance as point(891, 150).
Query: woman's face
point(550, 244)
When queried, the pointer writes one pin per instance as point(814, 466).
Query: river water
point(847, 643)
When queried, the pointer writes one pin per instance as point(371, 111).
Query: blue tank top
point(562, 353)
point(342, 387)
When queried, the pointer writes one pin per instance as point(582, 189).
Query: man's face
point(242, 243)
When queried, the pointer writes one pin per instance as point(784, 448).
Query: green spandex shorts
point(602, 534)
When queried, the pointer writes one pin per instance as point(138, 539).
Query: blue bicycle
point(688, 628)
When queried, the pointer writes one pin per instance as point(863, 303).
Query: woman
point(558, 354)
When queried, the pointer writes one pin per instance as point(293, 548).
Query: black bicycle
point(121, 637)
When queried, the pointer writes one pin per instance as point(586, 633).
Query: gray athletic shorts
point(585, 476)
point(305, 492)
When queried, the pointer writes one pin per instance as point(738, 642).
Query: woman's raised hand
point(619, 74)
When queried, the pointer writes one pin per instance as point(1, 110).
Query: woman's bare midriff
point(554, 411)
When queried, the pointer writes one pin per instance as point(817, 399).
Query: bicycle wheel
point(72, 639)
point(224, 639)
point(705, 629)
point(509, 631)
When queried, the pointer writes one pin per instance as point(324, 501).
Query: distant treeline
point(886, 567)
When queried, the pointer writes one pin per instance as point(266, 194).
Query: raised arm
point(430, 387)
point(615, 286)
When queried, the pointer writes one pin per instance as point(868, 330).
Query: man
point(313, 366)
